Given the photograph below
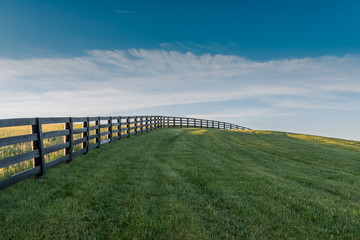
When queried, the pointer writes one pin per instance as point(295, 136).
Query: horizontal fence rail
point(78, 135)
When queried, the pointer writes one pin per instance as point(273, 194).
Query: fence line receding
point(51, 141)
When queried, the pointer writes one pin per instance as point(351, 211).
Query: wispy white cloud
point(245, 114)
point(113, 81)
point(124, 11)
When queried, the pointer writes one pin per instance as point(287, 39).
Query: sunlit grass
point(198, 132)
point(327, 141)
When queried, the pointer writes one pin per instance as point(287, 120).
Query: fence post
point(147, 123)
point(119, 127)
point(194, 122)
point(128, 126)
point(85, 144)
point(97, 132)
point(69, 139)
point(39, 161)
point(150, 123)
point(141, 124)
point(110, 136)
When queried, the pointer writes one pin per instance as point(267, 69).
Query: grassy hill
point(194, 184)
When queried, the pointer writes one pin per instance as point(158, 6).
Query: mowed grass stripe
point(194, 184)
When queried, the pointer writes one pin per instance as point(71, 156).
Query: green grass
point(194, 184)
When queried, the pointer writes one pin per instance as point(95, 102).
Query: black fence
point(79, 135)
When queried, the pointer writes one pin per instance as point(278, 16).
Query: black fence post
point(98, 132)
point(128, 126)
point(71, 140)
point(110, 136)
point(147, 123)
point(136, 124)
point(141, 124)
point(85, 144)
point(39, 161)
point(119, 127)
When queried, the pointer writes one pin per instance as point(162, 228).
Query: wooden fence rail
point(93, 131)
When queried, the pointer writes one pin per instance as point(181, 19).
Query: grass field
point(194, 184)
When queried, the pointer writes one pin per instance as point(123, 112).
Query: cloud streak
point(114, 81)
point(124, 11)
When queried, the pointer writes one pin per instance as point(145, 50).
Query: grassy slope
point(194, 184)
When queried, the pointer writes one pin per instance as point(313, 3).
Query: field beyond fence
point(30, 146)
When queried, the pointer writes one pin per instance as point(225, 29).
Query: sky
point(268, 65)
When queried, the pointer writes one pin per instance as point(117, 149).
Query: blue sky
point(278, 65)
